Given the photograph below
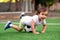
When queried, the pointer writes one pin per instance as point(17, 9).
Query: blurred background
point(27, 5)
point(11, 9)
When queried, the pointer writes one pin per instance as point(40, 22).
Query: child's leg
point(10, 25)
point(16, 27)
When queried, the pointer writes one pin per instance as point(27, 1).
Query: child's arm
point(44, 28)
point(33, 27)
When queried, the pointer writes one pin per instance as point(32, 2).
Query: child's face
point(43, 15)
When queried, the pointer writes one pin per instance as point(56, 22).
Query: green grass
point(52, 33)
point(53, 20)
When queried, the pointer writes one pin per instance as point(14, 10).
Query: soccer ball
point(27, 29)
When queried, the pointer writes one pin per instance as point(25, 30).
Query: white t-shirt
point(27, 20)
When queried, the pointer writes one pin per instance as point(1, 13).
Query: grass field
point(52, 32)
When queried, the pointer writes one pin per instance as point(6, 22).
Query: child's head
point(42, 12)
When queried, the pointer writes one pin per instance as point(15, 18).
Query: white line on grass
point(53, 23)
point(18, 23)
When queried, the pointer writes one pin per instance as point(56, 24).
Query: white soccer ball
point(28, 29)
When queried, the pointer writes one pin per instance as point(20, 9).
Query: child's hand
point(42, 31)
point(36, 32)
